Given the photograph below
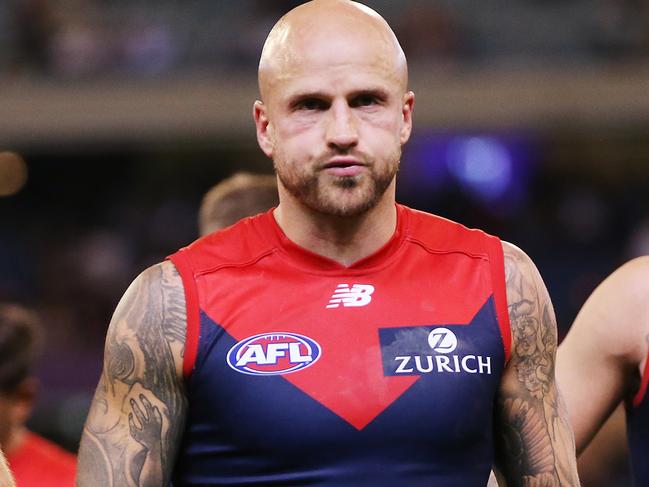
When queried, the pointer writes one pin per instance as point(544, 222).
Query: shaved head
point(342, 25)
point(335, 110)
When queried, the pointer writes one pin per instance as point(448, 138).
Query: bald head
point(335, 29)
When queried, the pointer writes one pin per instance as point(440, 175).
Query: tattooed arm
point(535, 445)
point(137, 416)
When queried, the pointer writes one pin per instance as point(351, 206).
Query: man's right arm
point(137, 415)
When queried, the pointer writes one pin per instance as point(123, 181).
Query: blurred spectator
point(35, 28)
point(429, 33)
point(618, 29)
point(34, 460)
point(149, 49)
point(241, 195)
point(91, 38)
point(81, 47)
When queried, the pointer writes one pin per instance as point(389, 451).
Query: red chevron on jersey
point(348, 379)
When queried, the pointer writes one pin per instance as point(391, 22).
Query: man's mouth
point(344, 166)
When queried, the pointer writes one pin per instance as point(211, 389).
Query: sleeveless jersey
point(301, 371)
point(637, 426)
point(39, 462)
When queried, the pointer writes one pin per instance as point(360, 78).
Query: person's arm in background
point(534, 441)
point(6, 479)
point(136, 419)
point(604, 349)
point(605, 461)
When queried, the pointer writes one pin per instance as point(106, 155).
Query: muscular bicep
point(137, 414)
point(534, 440)
point(590, 376)
point(603, 348)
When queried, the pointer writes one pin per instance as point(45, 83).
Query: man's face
point(337, 118)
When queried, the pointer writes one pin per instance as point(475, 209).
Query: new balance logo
point(355, 296)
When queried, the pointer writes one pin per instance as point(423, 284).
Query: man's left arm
point(534, 441)
point(6, 479)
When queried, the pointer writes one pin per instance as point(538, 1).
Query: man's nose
point(342, 132)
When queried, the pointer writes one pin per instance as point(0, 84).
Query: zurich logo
point(442, 340)
point(273, 354)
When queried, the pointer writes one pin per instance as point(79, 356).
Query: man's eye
point(311, 104)
point(364, 101)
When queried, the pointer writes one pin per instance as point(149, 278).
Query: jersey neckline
point(316, 263)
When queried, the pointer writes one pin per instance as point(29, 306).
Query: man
point(603, 360)
point(34, 461)
point(341, 339)
point(242, 194)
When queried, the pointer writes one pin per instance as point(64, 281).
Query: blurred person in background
point(272, 352)
point(603, 362)
point(6, 479)
point(238, 196)
point(34, 460)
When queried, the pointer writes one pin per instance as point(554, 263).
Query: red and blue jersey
point(637, 424)
point(301, 371)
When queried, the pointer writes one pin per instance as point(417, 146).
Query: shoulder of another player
point(614, 320)
point(630, 282)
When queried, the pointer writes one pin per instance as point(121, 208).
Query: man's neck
point(344, 240)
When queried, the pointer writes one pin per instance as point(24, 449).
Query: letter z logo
point(442, 340)
point(355, 296)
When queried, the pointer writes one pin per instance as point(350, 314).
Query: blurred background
point(531, 122)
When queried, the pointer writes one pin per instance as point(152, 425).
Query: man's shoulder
point(614, 320)
point(633, 277)
point(245, 241)
point(626, 290)
point(442, 234)
point(625, 294)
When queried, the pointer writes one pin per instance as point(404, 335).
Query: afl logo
point(442, 340)
point(273, 354)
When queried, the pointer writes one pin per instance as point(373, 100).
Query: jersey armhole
point(180, 260)
point(644, 382)
point(497, 265)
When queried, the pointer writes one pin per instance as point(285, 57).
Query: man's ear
point(406, 109)
point(264, 129)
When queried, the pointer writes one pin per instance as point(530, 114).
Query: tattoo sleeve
point(534, 440)
point(137, 415)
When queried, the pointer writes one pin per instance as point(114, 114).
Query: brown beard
point(308, 188)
